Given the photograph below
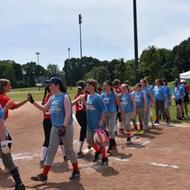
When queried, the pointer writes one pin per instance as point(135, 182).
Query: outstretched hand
point(30, 98)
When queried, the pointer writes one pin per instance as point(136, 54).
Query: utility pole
point(136, 41)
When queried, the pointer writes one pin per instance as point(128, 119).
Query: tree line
point(154, 63)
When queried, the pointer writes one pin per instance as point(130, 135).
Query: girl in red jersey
point(5, 86)
point(80, 108)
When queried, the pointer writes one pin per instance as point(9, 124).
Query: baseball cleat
point(19, 186)
point(104, 161)
point(96, 156)
point(75, 175)
point(41, 177)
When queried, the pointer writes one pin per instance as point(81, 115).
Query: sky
point(51, 27)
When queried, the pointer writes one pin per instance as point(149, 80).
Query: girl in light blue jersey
point(141, 106)
point(60, 108)
point(109, 99)
point(149, 101)
point(128, 108)
point(160, 98)
point(95, 109)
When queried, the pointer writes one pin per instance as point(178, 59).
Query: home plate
point(163, 165)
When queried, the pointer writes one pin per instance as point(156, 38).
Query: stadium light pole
point(136, 41)
point(69, 53)
point(80, 33)
point(38, 57)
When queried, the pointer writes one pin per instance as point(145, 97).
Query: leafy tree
point(120, 69)
point(181, 56)
point(98, 73)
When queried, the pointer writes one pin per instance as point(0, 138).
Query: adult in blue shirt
point(178, 96)
point(95, 110)
point(160, 98)
point(109, 99)
point(168, 101)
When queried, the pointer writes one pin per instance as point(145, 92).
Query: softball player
point(95, 119)
point(141, 106)
point(160, 98)
point(61, 117)
point(127, 107)
point(80, 108)
point(5, 86)
point(47, 125)
point(109, 99)
point(5, 154)
point(117, 90)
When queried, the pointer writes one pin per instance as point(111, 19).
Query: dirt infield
point(157, 160)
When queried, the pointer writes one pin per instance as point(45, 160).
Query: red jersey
point(47, 114)
point(80, 105)
point(187, 89)
point(4, 100)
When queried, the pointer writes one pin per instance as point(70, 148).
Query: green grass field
point(20, 94)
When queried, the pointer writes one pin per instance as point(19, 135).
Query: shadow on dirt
point(120, 156)
point(75, 185)
point(5, 181)
point(60, 167)
point(106, 171)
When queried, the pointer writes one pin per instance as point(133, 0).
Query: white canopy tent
point(185, 75)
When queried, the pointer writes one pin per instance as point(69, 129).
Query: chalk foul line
point(164, 165)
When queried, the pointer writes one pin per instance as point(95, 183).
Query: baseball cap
point(55, 80)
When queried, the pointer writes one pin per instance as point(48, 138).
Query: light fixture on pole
point(38, 57)
point(80, 33)
point(69, 53)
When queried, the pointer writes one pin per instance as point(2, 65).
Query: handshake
point(4, 147)
point(30, 98)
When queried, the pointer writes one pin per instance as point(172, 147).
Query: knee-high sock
point(103, 151)
point(43, 153)
point(96, 147)
point(81, 145)
point(63, 149)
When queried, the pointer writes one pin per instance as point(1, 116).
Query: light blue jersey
point(95, 108)
point(139, 99)
point(126, 103)
point(178, 92)
point(57, 110)
point(148, 93)
point(160, 93)
point(168, 91)
point(109, 101)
